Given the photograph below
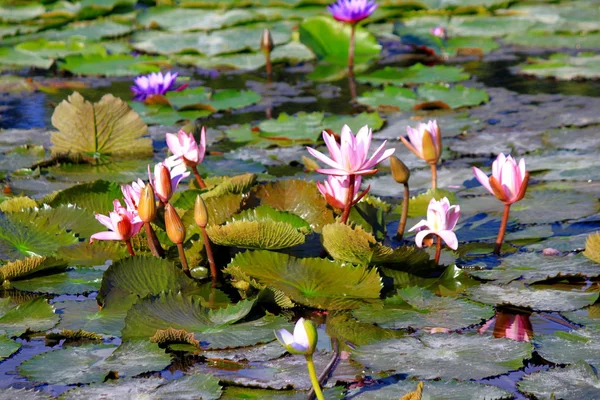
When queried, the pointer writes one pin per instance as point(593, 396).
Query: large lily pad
point(302, 128)
point(92, 363)
point(7, 347)
point(330, 40)
point(563, 66)
point(546, 205)
point(414, 74)
point(214, 329)
point(112, 64)
point(418, 308)
point(458, 356)
point(107, 128)
point(534, 267)
point(189, 387)
point(314, 282)
point(570, 347)
point(456, 96)
point(73, 281)
point(186, 19)
point(33, 315)
point(541, 299)
point(390, 98)
point(28, 266)
point(577, 381)
point(432, 390)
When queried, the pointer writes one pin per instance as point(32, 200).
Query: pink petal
point(497, 167)
point(420, 236)
point(509, 180)
point(421, 224)
point(333, 147)
point(322, 157)
point(335, 172)
point(174, 144)
point(522, 171)
point(104, 220)
point(379, 155)
point(450, 238)
point(452, 217)
point(363, 143)
point(483, 179)
point(202, 145)
point(105, 236)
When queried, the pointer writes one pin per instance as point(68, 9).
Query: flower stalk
point(130, 247)
point(201, 219)
point(352, 46)
point(349, 199)
point(502, 230)
point(176, 232)
point(312, 373)
point(147, 213)
point(266, 45)
point(401, 174)
point(438, 249)
point(433, 175)
point(199, 179)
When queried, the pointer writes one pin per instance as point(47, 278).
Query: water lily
point(154, 83)
point(425, 142)
point(335, 190)
point(508, 183)
point(352, 12)
point(303, 341)
point(440, 32)
point(122, 223)
point(131, 194)
point(166, 179)
point(510, 325)
point(441, 221)
point(185, 148)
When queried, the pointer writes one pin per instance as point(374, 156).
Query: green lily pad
point(112, 128)
point(541, 299)
point(455, 45)
point(112, 64)
point(223, 100)
point(298, 197)
point(7, 347)
point(19, 269)
point(59, 49)
point(186, 19)
point(238, 392)
point(313, 282)
point(33, 315)
point(95, 197)
point(535, 267)
point(165, 115)
point(300, 128)
point(570, 347)
point(14, 59)
point(92, 363)
point(542, 205)
point(73, 281)
point(22, 12)
point(418, 308)
point(330, 40)
point(214, 329)
point(414, 74)
point(390, 97)
point(143, 276)
point(577, 381)
point(432, 390)
point(563, 66)
point(554, 40)
point(189, 387)
point(456, 96)
point(452, 356)
point(336, 122)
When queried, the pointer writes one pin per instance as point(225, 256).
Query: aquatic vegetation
point(186, 150)
point(123, 224)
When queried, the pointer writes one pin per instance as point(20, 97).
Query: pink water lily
point(350, 157)
point(441, 221)
point(123, 224)
point(335, 190)
point(440, 32)
point(508, 181)
point(425, 141)
point(166, 179)
point(184, 147)
point(131, 194)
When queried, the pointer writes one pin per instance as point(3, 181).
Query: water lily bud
point(162, 180)
point(200, 212)
point(400, 171)
point(429, 149)
point(266, 41)
point(147, 204)
point(174, 225)
point(304, 339)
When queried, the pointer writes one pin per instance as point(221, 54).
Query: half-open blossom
point(131, 194)
point(122, 223)
point(515, 326)
point(441, 220)
point(166, 179)
point(508, 181)
point(154, 83)
point(352, 11)
point(184, 147)
point(335, 190)
point(440, 32)
point(350, 157)
point(425, 141)
point(304, 339)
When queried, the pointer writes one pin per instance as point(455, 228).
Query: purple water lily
point(352, 11)
point(154, 83)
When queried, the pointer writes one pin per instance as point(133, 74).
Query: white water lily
point(304, 339)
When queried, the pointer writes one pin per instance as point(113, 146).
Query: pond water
point(83, 320)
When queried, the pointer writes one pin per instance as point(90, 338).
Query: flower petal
point(323, 158)
point(450, 238)
point(420, 236)
point(105, 236)
point(483, 179)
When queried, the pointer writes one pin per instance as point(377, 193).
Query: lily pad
point(535, 267)
point(313, 282)
point(112, 64)
point(13, 59)
point(415, 74)
point(330, 40)
point(34, 315)
point(188, 387)
point(539, 300)
point(96, 197)
point(390, 98)
point(418, 308)
point(432, 390)
point(456, 96)
point(73, 281)
point(7, 347)
point(28, 266)
point(563, 66)
point(543, 205)
point(238, 392)
point(300, 128)
point(554, 40)
point(570, 347)
point(92, 363)
point(577, 381)
point(592, 247)
point(186, 19)
point(452, 356)
point(214, 329)
point(106, 128)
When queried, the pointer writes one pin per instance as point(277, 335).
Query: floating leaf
point(452, 356)
point(73, 281)
point(541, 299)
point(92, 363)
point(456, 96)
point(577, 381)
point(336, 122)
point(592, 247)
point(300, 128)
point(15, 204)
point(390, 98)
point(418, 308)
point(22, 394)
point(415, 74)
point(96, 197)
point(563, 66)
point(238, 392)
point(570, 347)
point(313, 282)
point(330, 40)
point(33, 315)
point(214, 329)
point(191, 99)
point(112, 64)
point(30, 265)
point(7, 347)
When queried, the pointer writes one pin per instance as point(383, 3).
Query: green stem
point(313, 377)
point(351, 49)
